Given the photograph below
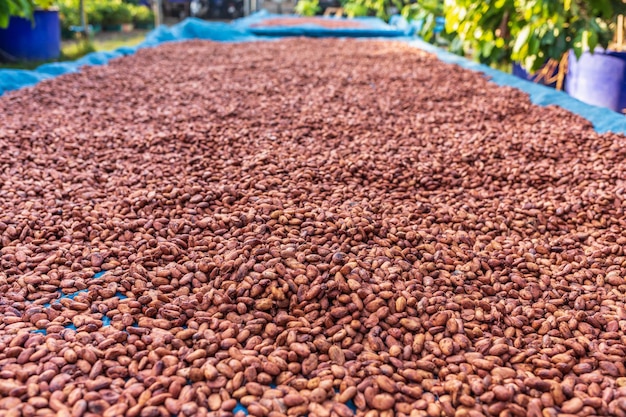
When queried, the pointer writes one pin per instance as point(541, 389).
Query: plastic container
point(598, 79)
point(40, 40)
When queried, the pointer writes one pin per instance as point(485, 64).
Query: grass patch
point(110, 43)
point(79, 49)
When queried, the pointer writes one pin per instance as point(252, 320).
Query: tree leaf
point(428, 27)
point(522, 38)
point(577, 45)
point(533, 46)
point(499, 4)
point(4, 14)
point(487, 48)
point(585, 40)
point(603, 8)
point(592, 41)
point(456, 46)
point(26, 7)
point(548, 38)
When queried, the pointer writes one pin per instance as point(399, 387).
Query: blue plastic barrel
point(25, 41)
point(598, 79)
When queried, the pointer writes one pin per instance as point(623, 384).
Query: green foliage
point(102, 12)
point(44, 4)
point(21, 8)
point(354, 9)
point(77, 50)
point(142, 14)
point(378, 8)
point(69, 12)
point(427, 12)
point(481, 27)
point(115, 12)
point(308, 7)
point(530, 32)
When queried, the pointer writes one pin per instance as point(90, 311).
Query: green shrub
point(69, 13)
point(21, 8)
point(530, 32)
point(142, 15)
point(427, 12)
point(355, 8)
point(44, 4)
point(115, 12)
point(308, 7)
point(94, 16)
point(378, 8)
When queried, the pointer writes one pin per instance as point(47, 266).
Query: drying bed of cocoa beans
point(306, 227)
point(317, 21)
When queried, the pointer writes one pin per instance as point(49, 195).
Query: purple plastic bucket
point(24, 41)
point(598, 79)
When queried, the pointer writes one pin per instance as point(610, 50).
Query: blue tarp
point(603, 119)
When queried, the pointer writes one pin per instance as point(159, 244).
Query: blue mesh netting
point(241, 30)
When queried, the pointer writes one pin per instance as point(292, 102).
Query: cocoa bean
point(349, 228)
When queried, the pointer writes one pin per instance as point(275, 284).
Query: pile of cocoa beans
point(317, 21)
point(329, 228)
